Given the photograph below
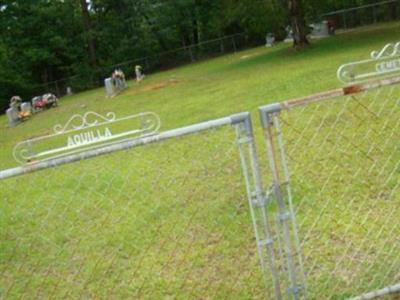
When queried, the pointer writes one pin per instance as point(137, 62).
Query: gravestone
point(69, 90)
point(270, 39)
point(120, 84)
point(26, 107)
point(139, 73)
point(12, 116)
point(289, 32)
point(320, 30)
point(109, 87)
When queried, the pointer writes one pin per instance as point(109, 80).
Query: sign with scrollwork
point(382, 63)
point(87, 131)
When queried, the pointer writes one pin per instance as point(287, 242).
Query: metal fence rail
point(335, 165)
point(150, 63)
point(161, 216)
point(367, 14)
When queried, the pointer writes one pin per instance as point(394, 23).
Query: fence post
point(191, 53)
point(233, 44)
point(57, 89)
point(268, 116)
point(257, 201)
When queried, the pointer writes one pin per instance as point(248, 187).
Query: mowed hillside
point(217, 87)
point(171, 220)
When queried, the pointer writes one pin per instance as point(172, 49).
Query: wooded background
point(46, 40)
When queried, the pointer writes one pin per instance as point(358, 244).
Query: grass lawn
point(171, 220)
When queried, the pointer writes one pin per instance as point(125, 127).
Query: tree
point(298, 24)
point(296, 15)
point(89, 34)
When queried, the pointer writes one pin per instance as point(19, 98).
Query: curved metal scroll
point(83, 132)
point(382, 63)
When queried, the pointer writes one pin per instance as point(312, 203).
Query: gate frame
point(272, 133)
point(248, 159)
point(235, 119)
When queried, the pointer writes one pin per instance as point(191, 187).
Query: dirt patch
point(246, 56)
point(252, 54)
point(153, 87)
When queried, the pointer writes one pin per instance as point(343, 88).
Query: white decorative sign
point(83, 132)
point(382, 63)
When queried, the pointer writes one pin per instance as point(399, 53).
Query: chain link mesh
point(343, 161)
point(164, 220)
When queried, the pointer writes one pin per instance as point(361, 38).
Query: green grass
point(171, 220)
point(215, 88)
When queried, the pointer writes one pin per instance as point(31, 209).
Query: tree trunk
point(298, 24)
point(88, 28)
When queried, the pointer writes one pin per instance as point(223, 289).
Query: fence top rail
point(347, 90)
point(379, 293)
point(105, 69)
point(340, 11)
point(239, 118)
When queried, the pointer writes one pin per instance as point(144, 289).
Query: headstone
point(270, 39)
point(120, 84)
point(69, 90)
point(139, 73)
point(12, 116)
point(320, 30)
point(26, 107)
point(109, 87)
point(289, 32)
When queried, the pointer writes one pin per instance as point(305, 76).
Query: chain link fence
point(166, 216)
point(347, 18)
point(335, 165)
point(151, 63)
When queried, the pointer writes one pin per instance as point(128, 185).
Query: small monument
point(139, 73)
point(320, 30)
point(12, 117)
point(115, 84)
point(18, 111)
point(109, 87)
point(270, 40)
point(26, 108)
point(289, 34)
point(45, 101)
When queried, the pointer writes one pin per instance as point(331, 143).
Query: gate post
point(257, 200)
point(286, 227)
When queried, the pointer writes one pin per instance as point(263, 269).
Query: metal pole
point(233, 43)
point(123, 145)
point(257, 200)
point(379, 293)
point(283, 214)
point(290, 199)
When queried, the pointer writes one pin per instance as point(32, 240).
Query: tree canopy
point(46, 40)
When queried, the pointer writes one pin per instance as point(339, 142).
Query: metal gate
point(160, 216)
point(334, 161)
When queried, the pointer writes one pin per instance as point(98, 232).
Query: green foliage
point(42, 41)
